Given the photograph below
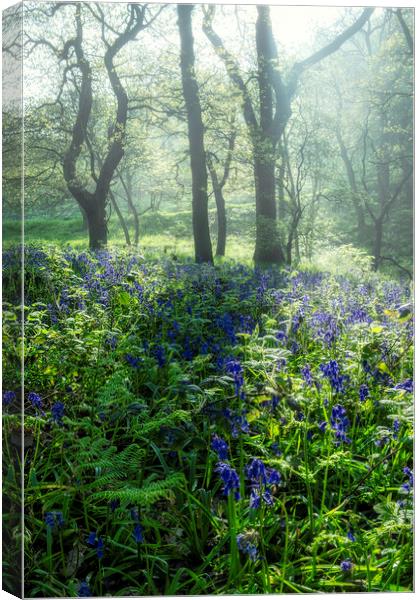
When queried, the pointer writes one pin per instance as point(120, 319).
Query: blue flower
point(307, 375)
point(256, 471)
point(274, 477)
point(346, 565)
point(406, 385)
point(91, 540)
point(35, 400)
point(134, 515)
point(363, 392)
point(234, 367)
point(322, 426)
point(220, 447)
point(57, 412)
point(133, 361)
point(49, 519)
point(138, 533)
point(351, 536)
point(244, 544)
point(331, 370)
point(84, 590)
point(159, 354)
point(8, 398)
point(408, 486)
point(54, 518)
point(254, 499)
point(230, 479)
point(340, 423)
point(267, 497)
point(100, 548)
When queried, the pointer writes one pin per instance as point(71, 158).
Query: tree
point(200, 217)
point(274, 110)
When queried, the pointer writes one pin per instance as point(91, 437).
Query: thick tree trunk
point(97, 226)
point(84, 217)
point(267, 244)
point(200, 217)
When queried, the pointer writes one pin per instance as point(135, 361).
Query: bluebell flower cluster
point(340, 423)
point(8, 398)
point(331, 370)
point(230, 479)
point(220, 447)
point(57, 412)
point(97, 542)
point(54, 519)
point(406, 385)
point(35, 400)
point(261, 478)
point(363, 392)
point(84, 590)
point(234, 367)
point(325, 327)
point(346, 566)
point(307, 375)
point(245, 545)
point(407, 486)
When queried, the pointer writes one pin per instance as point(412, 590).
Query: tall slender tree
point(200, 216)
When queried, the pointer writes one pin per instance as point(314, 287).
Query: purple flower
point(54, 518)
point(254, 499)
point(84, 590)
point(340, 423)
point(133, 361)
point(256, 471)
point(346, 565)
point(138, 533)
point(230, 479)
point(406, 385)
point(307, 375)
point(8, 398)
point(100, 548)
point(244, 544)
point(363, 392)
point(322, 426)
point(35, 400)
point(331, 370)
point(268, 498)
point(220, 447)
point(91, 540)
point(57, 412)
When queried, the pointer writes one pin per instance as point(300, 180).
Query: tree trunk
point(377, 244)
point(84, 217)
point(220, 207)
point(200, 217)
point(97, 226)
point(120, 218)
point(267, 244)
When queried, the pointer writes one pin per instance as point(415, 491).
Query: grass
point(165, 231)
point(200, 430)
